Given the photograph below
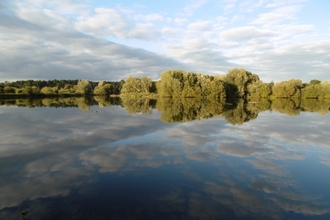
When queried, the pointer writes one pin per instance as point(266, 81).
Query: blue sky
point(111, 40)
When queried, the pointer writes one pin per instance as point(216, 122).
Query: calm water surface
point(66, 163)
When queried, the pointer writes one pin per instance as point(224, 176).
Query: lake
point(164, 160)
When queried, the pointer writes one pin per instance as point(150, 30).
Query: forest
point(237, 83)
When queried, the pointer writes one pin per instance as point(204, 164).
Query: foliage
point(84, 87)
point(287, 106)
point(103, 101)
point(259, 90)
point(240, 114)
point(133, 106)
point(136, 85)
point(49, 90)
point(9, 89)
point(313, 105)
point(57, 87)
point(325, 93)
point(238, 81)
point(312, 91)
point(174, 84)
point(288, 89)
point(188, 109)
point(178, 83)
point(103, 88)
point(314, 82)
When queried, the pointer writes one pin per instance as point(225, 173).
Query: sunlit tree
point(288, 89)
point(102, 88)
point(238, 80)
point(84, 87)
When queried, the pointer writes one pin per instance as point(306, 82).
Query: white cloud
point(279, 3)
point(229, 7)
point(153, 17)
point(65, 39)
point(193, 5)
point(105, 22)
point(244, 33)
point(241, 150)
point(277, 16)
point(172, 32)
point(201, 26)
point(180, 21)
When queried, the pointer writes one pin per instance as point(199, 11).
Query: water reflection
point(66, 163)
point(236, 112)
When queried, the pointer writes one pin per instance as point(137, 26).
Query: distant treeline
point(60, 87)
point(237, 83)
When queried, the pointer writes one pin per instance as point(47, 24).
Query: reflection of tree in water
point(242, 113)
point(76, 101)
point(261, 105)
point(133, 106)
point(188, 109)
point(313, 105)
point(104, 101)
point(81, 102)
point(287, 106)
point(294, 106)
point(236, 112)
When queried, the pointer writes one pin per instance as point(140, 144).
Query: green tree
point(238, 81)
point(84, 87)
point(312, 91)
point(146, 84)
point(178, 83)
point(9, 89)
point(171, 83)
point(131, 85)
point(288, 89)
point(259, 90)
point(314, 82)
point(103, 88)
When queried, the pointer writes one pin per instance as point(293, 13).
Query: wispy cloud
point(66, 39)
point(245, 33)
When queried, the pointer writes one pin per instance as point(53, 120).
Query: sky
point(111, 40)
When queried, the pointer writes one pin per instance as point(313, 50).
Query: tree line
point(60, 87)
point(237, 83)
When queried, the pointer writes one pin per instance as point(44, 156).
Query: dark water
point(66, 163)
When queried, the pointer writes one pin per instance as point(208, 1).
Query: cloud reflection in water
point(196, 170)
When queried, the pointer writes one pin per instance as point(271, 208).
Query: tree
point(325, 94)
point(288, 89)
point(102, 88)
point(238, 81)
point(131, 85)
point(9, 89)
point(314, 82)
point(84, 87)
point(178, 83)
point(312, 91)
point(146, 84)
point(259, 90)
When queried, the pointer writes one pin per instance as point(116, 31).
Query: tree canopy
point(237, 83)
